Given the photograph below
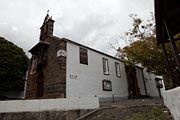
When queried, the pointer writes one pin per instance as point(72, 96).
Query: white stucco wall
point(172, 101)
point(86, 80)
point(151, 84)
point(49, 104)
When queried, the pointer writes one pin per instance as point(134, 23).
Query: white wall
point(172, 101)
point(151, 84)
point(49, 104)
point(86, 80)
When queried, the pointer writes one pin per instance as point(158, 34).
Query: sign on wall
point(107, 85)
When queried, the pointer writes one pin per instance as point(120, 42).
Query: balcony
point(41, 51)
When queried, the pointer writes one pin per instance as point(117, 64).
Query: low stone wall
point(49, 104)
point(172, 101)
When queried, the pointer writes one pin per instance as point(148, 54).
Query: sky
point(94, 23)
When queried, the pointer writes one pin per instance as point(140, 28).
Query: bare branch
point(112, 46)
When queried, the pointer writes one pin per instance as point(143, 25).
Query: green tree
point(143, 48)
point(13, 66)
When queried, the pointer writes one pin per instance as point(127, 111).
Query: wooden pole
point(173, 45)
point(168, 63)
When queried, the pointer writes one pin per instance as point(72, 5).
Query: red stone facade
point(47, 71)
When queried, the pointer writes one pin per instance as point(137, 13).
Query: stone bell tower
point(47, 27)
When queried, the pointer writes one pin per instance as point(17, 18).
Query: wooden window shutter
point(83, 56)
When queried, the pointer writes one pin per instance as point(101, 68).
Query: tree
point(143, 48)
point(13, 66)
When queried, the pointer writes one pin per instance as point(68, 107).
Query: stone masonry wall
point(31, 86)
point(54, 73)
point(46, 115)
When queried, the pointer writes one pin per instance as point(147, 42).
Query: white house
point(103, 76)
point(148, 82)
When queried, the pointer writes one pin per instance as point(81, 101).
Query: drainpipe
point(25, 85)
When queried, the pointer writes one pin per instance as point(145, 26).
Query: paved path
point(133, 103)
point(121, 109)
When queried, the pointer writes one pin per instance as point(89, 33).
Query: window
point(105, 66)
point(83, 56)
point(107, 86)
point(33, 65)
point(117, 66)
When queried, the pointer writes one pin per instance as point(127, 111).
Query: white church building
point(62, 68)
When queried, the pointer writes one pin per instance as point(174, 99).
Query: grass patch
point(153, 114)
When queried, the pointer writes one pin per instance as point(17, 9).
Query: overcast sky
point(94, 23)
